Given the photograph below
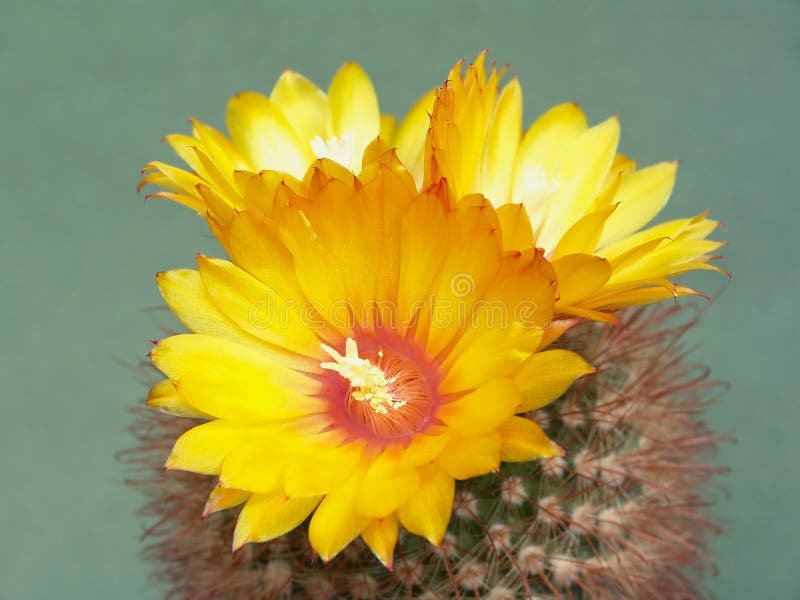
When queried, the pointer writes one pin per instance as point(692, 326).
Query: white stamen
point(537, 185)
point(368, 381)
point(341, 149)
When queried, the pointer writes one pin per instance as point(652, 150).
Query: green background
point(87, 89)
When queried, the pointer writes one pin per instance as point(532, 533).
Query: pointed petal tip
point(558, 449)
point(387, 562)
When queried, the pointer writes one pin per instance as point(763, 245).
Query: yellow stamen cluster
point(368, 381)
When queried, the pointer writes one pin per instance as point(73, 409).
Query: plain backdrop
point(87, 90)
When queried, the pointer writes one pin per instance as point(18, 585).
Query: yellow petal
point(546, 375)
point(460, 122)
point(354, 107)
point(260, 197)
point(423, 246)
point(583, 236)
point(219, 148)
point(381, 536)
point(660, 261)
point(467, 457)
point(539, 153)
point(186, 296)
point(526, 283)
point(222, 497)
point(203, 448)
point(427, 512)
point(580, 174)
point(184, 354)
point(523, 440)
point(633, 257)
point(195, 203)
point(643, 295)
point(386, 485)
point(303, 103)
point(516, 227)
point(222, 182)
point(336, 522)
point(257, 308)
point(261, 130)
point(388, 127)
point(254, 244)
point(175, 179)
point(183, 146)
point(322, 471)
point(255, 466)
point(697, 227)
point(267, 516)
point(556, 329)
point(345, 219)
point(482, 410)
point(589, 313)
point(641, 196)
point(225, 379)
point(580, 276)
point(470, 263)
point(410, 136)
point(425, 447)
point(485, 353)
point(165, 397)
point(501, 145)
point(242, 394)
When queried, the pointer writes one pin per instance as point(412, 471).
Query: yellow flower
point(587, 204)
point(297, 124)
point(369, 345)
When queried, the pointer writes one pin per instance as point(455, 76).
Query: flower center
point(368, 382)
point(387, 396)
point(341, 149)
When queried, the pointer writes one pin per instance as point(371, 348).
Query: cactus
point(623, 515)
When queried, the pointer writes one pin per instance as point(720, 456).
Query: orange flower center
point(381, 394)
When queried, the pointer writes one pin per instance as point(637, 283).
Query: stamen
point(368, 381)
point(538, 185)
point(341, 149)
